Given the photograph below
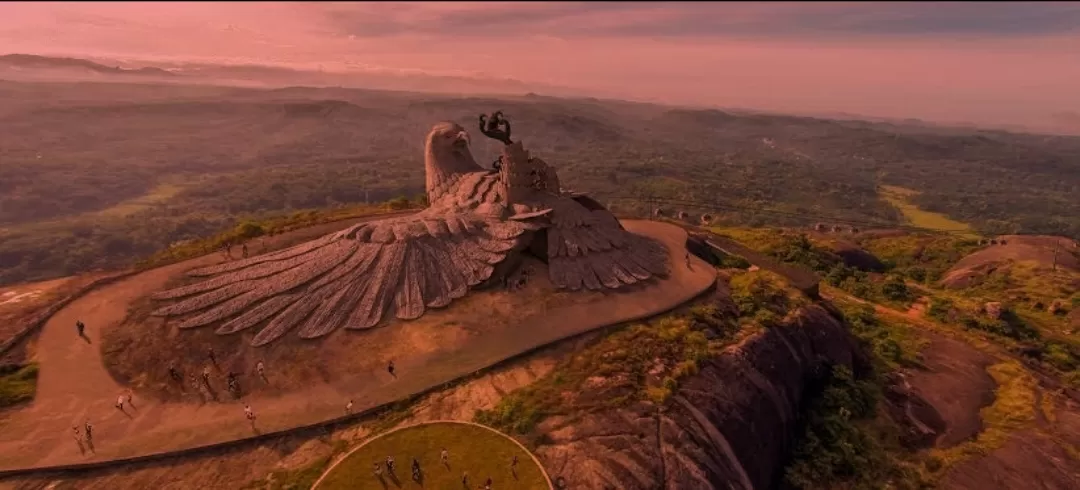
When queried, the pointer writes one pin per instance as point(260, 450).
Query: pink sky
point(1001, 63)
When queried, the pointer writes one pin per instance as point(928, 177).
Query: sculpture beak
point(463, 137)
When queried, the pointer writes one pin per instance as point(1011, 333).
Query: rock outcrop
point(731, 425)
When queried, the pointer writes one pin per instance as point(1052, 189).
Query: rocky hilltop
point(731, 425)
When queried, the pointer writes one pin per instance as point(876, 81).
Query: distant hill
point(96, 174)
point(31, 64)
point(28, 68)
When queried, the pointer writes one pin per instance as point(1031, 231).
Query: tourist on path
point(245, 252)
point(390, 369)
point(465, 478)
point(444, 456)
point(348, 408)
point(261, 369)
point(120, 402)
point(250, 414)
point(89, 432)
point(378, 470)
point(78, 439)
point(81, 327)
point(416, 470)
point(487, 484)
point(174, 374)
point(129, 397)
point(513, 462)
point(389, 464)
point(687, 260)
point(210, 355)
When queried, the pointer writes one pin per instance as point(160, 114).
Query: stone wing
point(588, 248)
point(353, 278)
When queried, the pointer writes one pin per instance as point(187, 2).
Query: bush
point(756, 291)
point(398, 203)
point(834, 451)
point(19, 386)
point(894, 289)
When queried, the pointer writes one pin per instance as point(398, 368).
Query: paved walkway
point(74, 386)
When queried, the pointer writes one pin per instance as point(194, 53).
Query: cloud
point(680, 19)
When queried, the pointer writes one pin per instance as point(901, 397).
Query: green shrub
point(18, 387)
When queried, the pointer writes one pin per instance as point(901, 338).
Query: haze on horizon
point(1008, 63)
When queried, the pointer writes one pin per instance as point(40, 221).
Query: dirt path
point(75, 387)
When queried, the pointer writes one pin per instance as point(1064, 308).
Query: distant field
point(158, 195)
point(900, 197)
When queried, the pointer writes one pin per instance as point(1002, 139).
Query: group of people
point(87, 437)
point(226, 250)
point(444, 458)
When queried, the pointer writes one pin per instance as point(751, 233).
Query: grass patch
point(893, 343)
point(18, 386)
point(919, 257)
point(158, 195)
point(301, 478)
point(1013, 409)
point(641, 362)
point(900, 198)
point(471, 449)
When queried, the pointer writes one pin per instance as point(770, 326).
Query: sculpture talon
point(497, 127)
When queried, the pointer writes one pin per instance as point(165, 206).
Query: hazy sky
point(972, 61)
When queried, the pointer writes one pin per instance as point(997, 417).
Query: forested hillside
point(98, 175)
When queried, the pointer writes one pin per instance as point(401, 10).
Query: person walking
point(89, 432)
point(444, 456)
point(210, 355)
point(348, 408)
point(120, 402)
point(487, 484)
point(390, 464)
point(174, 374)
point(261, 369)
point(245, 251)
point(378, 470)
point(513, 463)
point(81, 327)
point(78, 439)
point(250, 414)
point(390, 369)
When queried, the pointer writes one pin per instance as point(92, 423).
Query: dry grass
point(478, 451)
point(900, 197)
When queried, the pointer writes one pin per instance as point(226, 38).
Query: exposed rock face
point(855, 257)
point(730, 426)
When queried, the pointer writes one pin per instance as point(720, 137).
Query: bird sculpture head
point(446, 155)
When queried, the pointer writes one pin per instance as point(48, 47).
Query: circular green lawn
point(478, 450)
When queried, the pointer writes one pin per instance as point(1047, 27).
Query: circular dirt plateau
point(479, 451)
point(138, 352)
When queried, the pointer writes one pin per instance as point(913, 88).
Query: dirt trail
point(75, 387)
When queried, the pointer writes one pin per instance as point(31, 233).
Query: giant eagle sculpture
point(477, 219)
